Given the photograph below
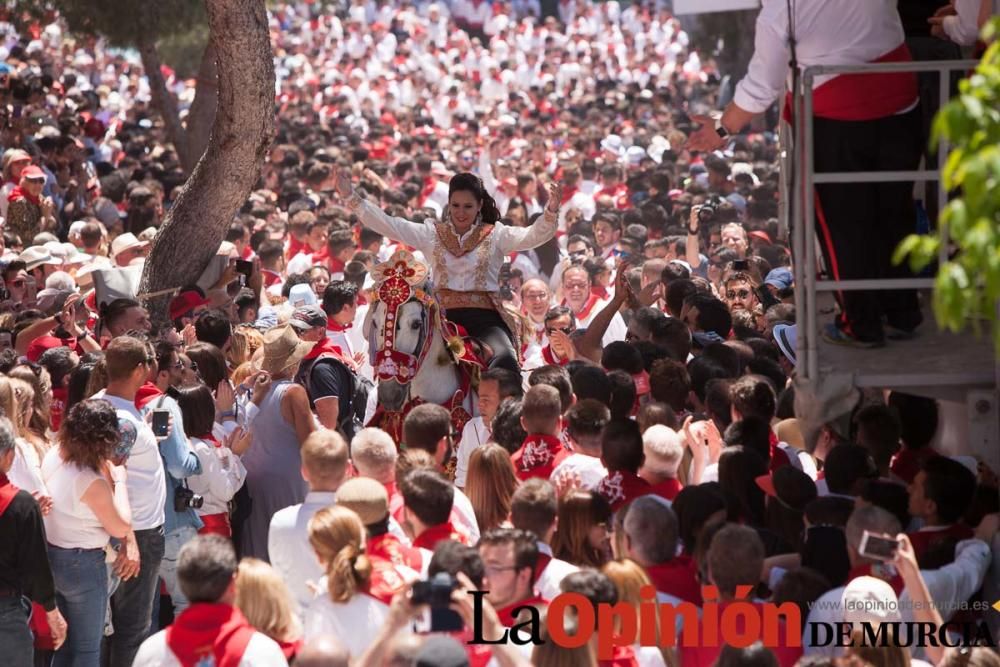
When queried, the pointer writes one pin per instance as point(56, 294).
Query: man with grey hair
point(24, 564)
point(212, 630)
point(651, 538)
point(663, 448)
point(949, 586)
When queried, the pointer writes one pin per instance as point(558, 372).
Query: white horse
point(414, 358)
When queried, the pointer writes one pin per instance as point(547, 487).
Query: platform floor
point(934, 359)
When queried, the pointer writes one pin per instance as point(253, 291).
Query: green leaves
point(967, 286)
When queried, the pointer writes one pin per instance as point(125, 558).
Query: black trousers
point(859, 225)
point(487, 326)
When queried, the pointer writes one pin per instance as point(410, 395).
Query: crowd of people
point(200, 487)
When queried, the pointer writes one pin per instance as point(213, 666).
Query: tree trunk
point(225, 174)
point(163, 100)
point(198, 124)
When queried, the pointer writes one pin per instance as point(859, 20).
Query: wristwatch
point(720, 128)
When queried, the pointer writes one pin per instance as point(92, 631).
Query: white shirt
point(478, 270)
point(146, 482)
point(475, 434)
point(26, 471)
point(466, 514)
point(222, 475)
point(827, 32)
point(617, 329)
point(948, 587)
point(288, 546)
point(356, 623)
point(963, 27)
point(555, 571)
point(589, 468)
point(71, 524)
point(261, 651)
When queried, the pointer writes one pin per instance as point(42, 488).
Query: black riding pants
point(487, 326)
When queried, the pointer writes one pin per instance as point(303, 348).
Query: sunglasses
point(743, 294)
point(565, 330)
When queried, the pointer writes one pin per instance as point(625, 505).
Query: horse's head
point(399, 326)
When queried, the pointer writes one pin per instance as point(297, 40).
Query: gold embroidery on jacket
point(449, 239)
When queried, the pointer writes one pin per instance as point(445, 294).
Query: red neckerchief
point(506, 614)
point(568, 194)
point(205, 632)
point(621, 487)
point(318, 256)
point(332, 325)
point(430, 184)
point(584, 313)
point(295, 246)
point(623, 656)
point(434, 534)
point(145, 395)
point(59, 395)
point(538, 456)
point(889, 576)
point(271, 278)
point(336, 265)
point(388, 547)
point(550, 357)
point(385, 581)
point(208, 437)
point(290, 649)
point(600, 291)
point(668, 488)
point(19, 193)
point(324, 346)
point(543, 562)
point(677, 577)
point(7, 493)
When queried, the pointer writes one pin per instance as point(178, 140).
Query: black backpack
point(352, 420)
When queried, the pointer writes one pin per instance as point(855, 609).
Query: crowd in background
point(209, 468)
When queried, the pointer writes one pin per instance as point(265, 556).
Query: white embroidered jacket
point(467, 263)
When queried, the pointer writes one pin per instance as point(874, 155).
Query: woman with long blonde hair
point(263, 597)
point(629, 579)
point(26, 472)
point(36, 410)
point(352, 600)
point(490, 485)
point(584, 529)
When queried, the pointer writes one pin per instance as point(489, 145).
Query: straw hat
point(282, 350)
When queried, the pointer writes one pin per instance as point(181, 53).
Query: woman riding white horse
point(466, 252)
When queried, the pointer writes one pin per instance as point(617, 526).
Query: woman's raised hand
point(555, 196)
point(344, 186)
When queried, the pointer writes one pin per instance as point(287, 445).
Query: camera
point(435, 591)
point(185, 499)
point(707, 211)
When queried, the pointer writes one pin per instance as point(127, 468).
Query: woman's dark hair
point(693, 507)
point(507, 429)
point(467, 182)
point(198, 409)
point(89, 433)
point(76, 389)
point(739, 469)
point(211, 363)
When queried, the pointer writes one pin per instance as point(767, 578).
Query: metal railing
point(802, 224)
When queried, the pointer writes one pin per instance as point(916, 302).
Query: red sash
point(216, 524)
point(7, 493)
point(865, 96)
point(209, 632)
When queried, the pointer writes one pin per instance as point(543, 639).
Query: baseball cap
point(307, 317)
point(185, 302)
point(33, 173)
point(780, 277)
point(302, 295)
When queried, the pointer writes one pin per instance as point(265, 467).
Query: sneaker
point(836, 336)
point(894, 334)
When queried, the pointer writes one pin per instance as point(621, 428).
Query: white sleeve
point(513, 239)
point(963, 27)
point(418, 235)
point(955, 583)
point(765, 78)
point(465, 448)
point(262, 651)
point(486, 172)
